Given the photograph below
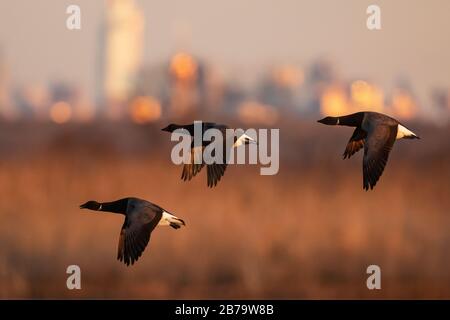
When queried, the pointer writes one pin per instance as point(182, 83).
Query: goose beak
point(324, 120)
point(165, 129)
point(84, 206)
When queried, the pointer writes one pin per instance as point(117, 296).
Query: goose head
point(91, 205)
point(171, 127)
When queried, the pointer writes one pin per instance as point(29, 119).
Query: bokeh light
point(184, 67)
point(255, 112)
point(403, 104)
point(60, 112)
point(366, 96)
point(334, 101)
point(145, 109)
point(288, 76)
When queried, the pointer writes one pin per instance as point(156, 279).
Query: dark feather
point(377, 146)
point(135, 233)
point(355, 143)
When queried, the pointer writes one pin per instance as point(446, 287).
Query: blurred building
point(214, 90)
point(69, 102)
point(441, 100)
point(335, 100)
point(121, 54)
point(194, 86)
point(441, 105)
point(32, 101)
point(233, 96)
point(403, 104)
point(7, 108)
point(366, 96)
point(320, 78)
point(252, 112)
point(281, 86)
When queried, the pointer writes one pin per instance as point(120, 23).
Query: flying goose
point(377, 133)
point(141, 217)
point(214, 171)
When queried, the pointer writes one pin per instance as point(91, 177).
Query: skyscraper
point(123, 35)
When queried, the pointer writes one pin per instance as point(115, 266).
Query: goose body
point(215, 171)
point(376, 132)
point(141, 218)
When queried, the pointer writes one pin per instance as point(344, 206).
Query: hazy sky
point(240, 34)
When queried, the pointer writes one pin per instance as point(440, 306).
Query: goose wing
point(135, 233)
point(196, 163)
point(216, 169)
point(355, 143)
point(214, 173)
point(377, 146)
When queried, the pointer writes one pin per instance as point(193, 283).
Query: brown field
point(308, 232)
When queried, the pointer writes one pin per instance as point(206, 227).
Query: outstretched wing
point(192, 168)
point(355, 143)
point(377, 146)
point(216, 169)
point(135, 233)
point(215, 172)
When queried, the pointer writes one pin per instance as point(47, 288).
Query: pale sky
point(239, 35)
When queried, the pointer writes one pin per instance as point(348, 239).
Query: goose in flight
point(214, 171)
point(375, 132)
point(141, 217)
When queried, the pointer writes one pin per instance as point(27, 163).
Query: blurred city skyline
point(255, 46)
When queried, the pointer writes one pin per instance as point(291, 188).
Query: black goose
point(141, 217)
point(375, 132)
point(214, 171)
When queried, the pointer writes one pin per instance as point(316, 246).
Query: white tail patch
point(242, 139)
point(404, 132)
point(168, 218)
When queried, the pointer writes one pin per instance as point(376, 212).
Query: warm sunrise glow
point(145, 109)
point(366, 96)
point(255, 112)
point(403, 105)
point(288, 76)
point(183, 67)
point(334, 101)
point(60, 112)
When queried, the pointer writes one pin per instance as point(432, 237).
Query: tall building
point(121, 56)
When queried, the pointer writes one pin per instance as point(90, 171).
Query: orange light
point(366, 96)
point(403, 105)
point(334, 101)
point(145, 109)
point(184, 67)
point(255, 112)
point(288, 76)
point(60, 112)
